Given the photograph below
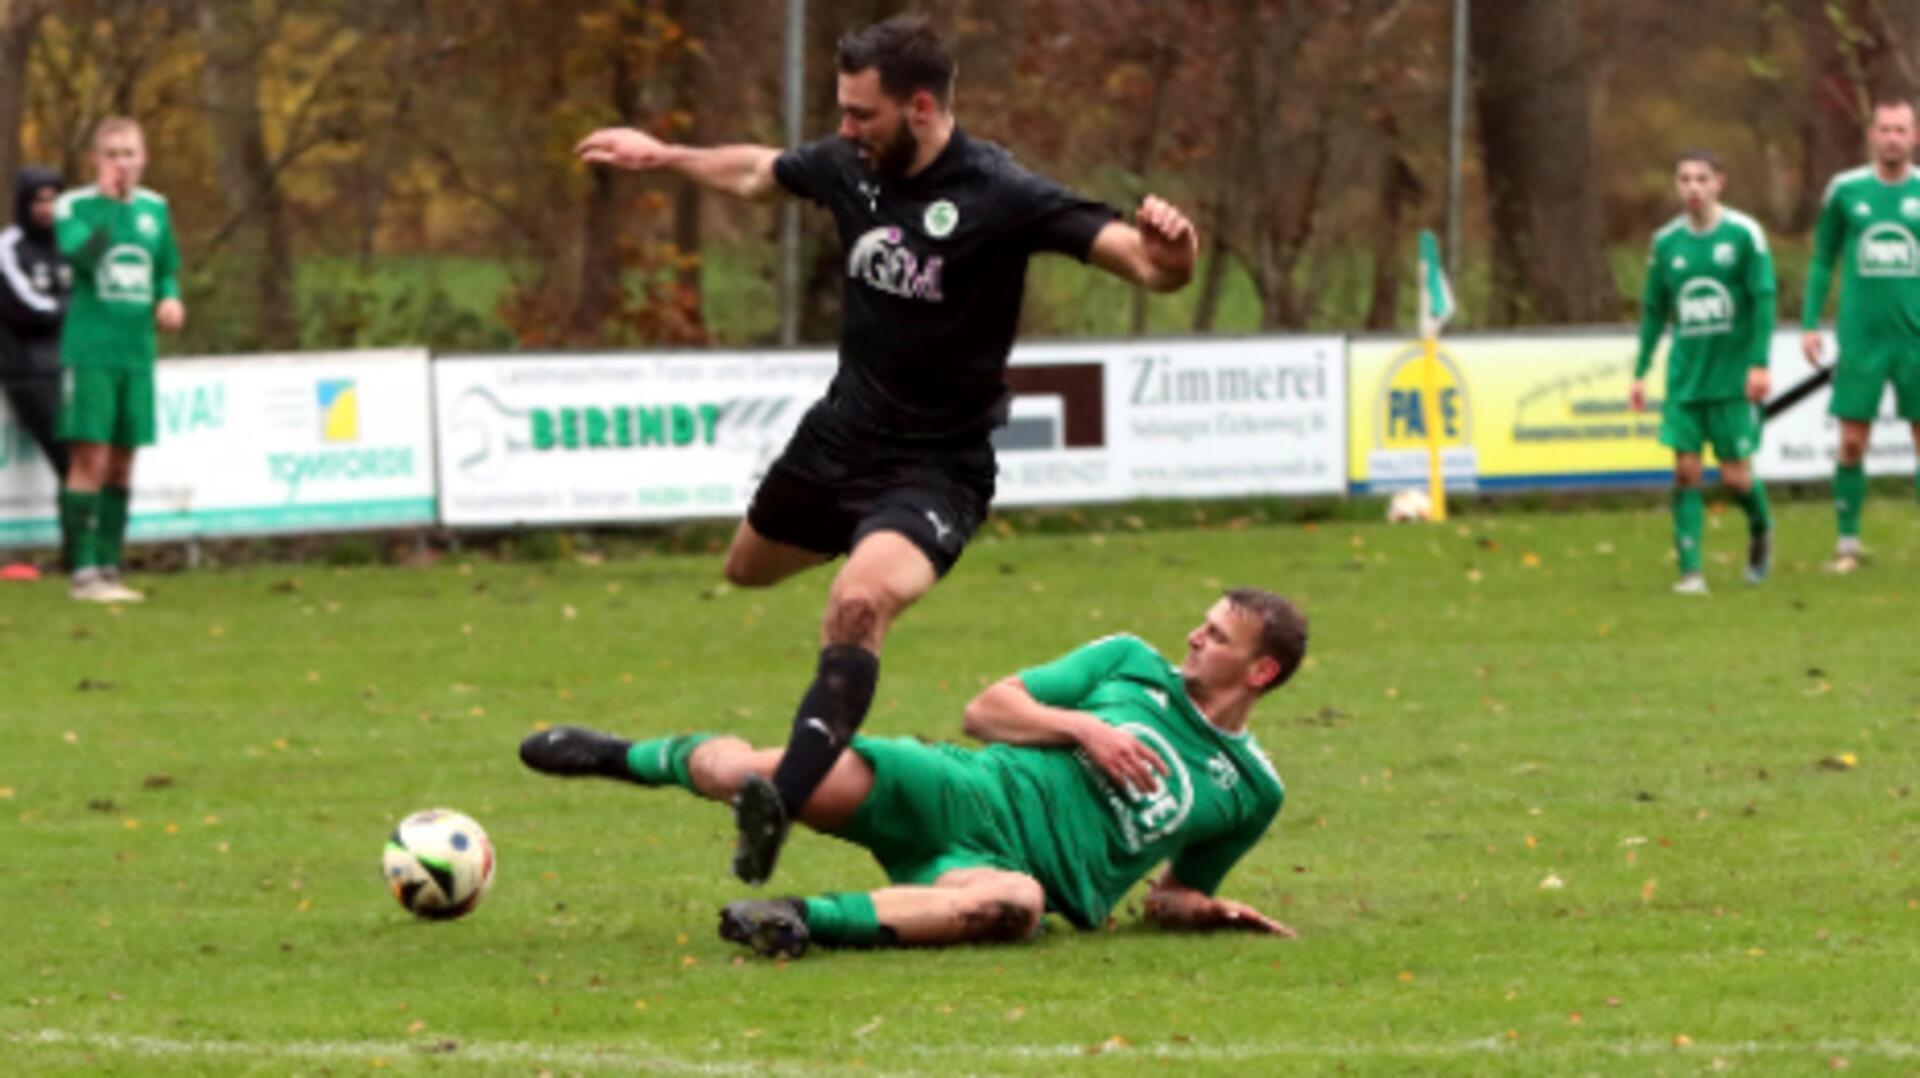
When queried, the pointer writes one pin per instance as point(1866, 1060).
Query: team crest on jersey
point(1888, 250)
point(146, 225)
point(881, 259)
point(1910, 208)
point(1222, 772)
point(1704, 308)
point(941, 219)
point(1723, 254)
point(125, 275)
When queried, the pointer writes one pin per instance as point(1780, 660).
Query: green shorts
point(1860, 380)
point(932, 809)
point(1732, 427)
point(107, 406)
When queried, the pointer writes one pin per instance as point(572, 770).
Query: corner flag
point(1436, 296)
point(1436, 307)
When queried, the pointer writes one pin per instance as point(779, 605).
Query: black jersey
point(936, 266)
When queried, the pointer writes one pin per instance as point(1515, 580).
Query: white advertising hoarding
point(1175, 419)
point(553, 439)
point(252, 445)
point(1800, 443)
point(619, 438)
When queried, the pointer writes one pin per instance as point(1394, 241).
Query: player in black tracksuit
point(34, 282)
point(893, 468)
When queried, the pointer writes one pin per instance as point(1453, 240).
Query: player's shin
point(1689, 526)
point(844, 920)
point(80, 514)
point(662, 761)
point(831, 711)
point(114, 503)
point(1753, 502)
point(1849, 497)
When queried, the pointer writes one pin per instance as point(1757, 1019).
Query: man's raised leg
point(884, 575)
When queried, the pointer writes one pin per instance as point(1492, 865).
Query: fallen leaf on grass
point(1841, 761)
point(1552, 883)
point(868, 1028)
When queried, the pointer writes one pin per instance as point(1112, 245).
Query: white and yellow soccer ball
point(1407, 506)
point(439, 864)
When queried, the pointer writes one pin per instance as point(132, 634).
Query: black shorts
point(836, 484)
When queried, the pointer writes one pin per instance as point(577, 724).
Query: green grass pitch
point(1542, 816)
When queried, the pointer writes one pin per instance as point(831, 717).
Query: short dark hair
point(1704, 156)
point(908, 53)
point(1894, 101)
point(1283, 630)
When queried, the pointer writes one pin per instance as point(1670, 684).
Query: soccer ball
point(1409, 505)
point(439, 864)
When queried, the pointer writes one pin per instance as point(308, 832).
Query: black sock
point(833, 708)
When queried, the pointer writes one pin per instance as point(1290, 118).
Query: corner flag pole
point(1436, 307)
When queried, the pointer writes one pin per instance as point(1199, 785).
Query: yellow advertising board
point(1516, 412)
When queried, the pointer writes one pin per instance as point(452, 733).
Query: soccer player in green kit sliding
point(1100, 766)
point(1711, 275)
point(118, 238)
point(1869, 223)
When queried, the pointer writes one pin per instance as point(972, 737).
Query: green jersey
point(1870, 226)
point(1088, 840)
point(124, 263)
point(1717, 289)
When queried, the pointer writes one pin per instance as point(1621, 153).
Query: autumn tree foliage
point(344, 173)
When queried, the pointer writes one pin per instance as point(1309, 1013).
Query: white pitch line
point(640, 1055)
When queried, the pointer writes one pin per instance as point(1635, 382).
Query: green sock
point(662, 761)
point(80, 523)
point(113, 524)
point(843, 920)
point(1754, 504)
point(1849, 497)
point(1689, 525)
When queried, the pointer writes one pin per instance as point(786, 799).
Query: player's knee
point(718, 767)
point(854, 616)
point(1005, 912)
point(741, 571)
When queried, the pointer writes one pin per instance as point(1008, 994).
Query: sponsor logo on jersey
point(1723, 254)
point(125, 275)
point(1147, 816)
point(882, 260)
point(1888, 250)
point(1705, 307)
point(941, 219)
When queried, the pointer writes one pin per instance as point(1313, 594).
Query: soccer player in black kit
point(893, 468)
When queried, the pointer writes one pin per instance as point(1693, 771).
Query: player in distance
point(1710, 274)
point(1869, 223)
point(1101, 765)
point(893, 468)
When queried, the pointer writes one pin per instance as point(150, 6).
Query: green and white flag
point(1436, 296)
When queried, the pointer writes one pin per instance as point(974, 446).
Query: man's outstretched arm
point(745, 171)
point(1156, 252)
point(1175, 905)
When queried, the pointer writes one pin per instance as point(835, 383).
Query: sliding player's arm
point(1829, 235)
point(1008, 713)
point(1175, 905)
point(1653, 322)
point(743, 171)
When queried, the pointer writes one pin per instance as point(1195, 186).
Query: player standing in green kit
point(1710, 273)
point(1870, 219)
point(118, 237)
